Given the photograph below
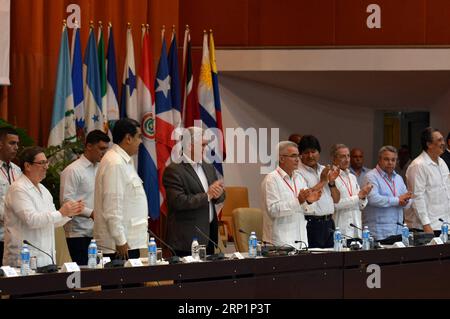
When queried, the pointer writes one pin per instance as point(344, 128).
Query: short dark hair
point(123, 127)
point(309, 142)
point(448, 136)
point(96, 136)
point(427, 137)
point(7, 130)
point(28, 154)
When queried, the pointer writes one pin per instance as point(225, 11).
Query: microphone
point(301, 242)
point(174, 259)
point(218, 256)
point(261, 241)
point(354, 226)
point(352, 242)
point(441, 220)
point(45, 269)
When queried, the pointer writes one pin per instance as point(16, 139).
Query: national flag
point(175, 90)
point(147, 169)
point(112, 92)
point(92, 90)
point(217, 104)
point(191, 111)
point(128, 107)
point(164, 119)
point(77, 82)
point(102, 72)
point(63, 117)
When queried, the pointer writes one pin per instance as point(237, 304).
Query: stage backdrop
point(4, 41)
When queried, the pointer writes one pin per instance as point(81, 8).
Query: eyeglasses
point(292, 155)
point(41, 162)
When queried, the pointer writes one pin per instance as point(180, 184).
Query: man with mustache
point(428, 178)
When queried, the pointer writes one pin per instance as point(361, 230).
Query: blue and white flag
point(128, 107)
point(112, 92)
point(77, 81)
point(63, 121)
point(92, 90)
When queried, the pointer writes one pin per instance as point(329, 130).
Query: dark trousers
point(2, 247)
point(78, 249)
point(320, 231)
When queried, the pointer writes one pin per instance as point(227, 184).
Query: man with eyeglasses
point(286, 199)
point(78, 182)
point(428, 179)
point(30, 213)
point(192, 190)
point(9, 144)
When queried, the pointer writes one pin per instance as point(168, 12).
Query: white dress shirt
point(430, 183)
point(348, 209)
point(14, 173)
point(30, 214)
point(202, 177)
point(120, 203)
point(283, 219)
point(324, 206)
point(78, 183)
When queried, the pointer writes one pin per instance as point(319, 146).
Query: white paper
point(9, 271)
point(70, 267)
point(134, 263)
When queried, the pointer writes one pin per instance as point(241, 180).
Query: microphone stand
point(45, 269)
point(174, 259)
point(218, 256)
point(115, 262)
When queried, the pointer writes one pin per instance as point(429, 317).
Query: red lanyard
point(7, 175)
point(388, 184)
point(295, 186)
point(348, 186)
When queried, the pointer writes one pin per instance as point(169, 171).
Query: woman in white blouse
point(30, 213)
point(353, 199)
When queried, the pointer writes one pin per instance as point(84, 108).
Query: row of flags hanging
point(87, 97)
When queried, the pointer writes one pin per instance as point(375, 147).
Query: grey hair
point(387, 148)
point(283, 145)
point(335, 148)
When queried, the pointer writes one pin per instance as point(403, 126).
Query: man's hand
point(216, 189)
point(333, 174)
point(324, 174)
point(122, 251)
point(404, 199)
point(92, 215)
point(427, 229)
point(365, 191)
point(314, 196)
point(303, 195)
point(71, 208)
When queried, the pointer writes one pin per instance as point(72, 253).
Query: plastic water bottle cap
point(151, 238)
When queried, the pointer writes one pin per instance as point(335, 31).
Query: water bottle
point(444, 232)
point(24, 260)
point(366, 238)
point(152, 251)
point(405, 235)
point(194, 249)
point(92, 254)
point(252, 245)
point(337, 240)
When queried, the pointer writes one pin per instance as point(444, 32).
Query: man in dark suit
point(192, 190)
point(446, 155)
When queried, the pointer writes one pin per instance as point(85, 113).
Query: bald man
point(357, 167)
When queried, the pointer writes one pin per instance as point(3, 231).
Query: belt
point(318, 218)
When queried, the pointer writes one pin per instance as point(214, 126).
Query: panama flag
point(102, 71)
point(147, 150)
point(112, 92)
point(63, 120)
point(217, 104)
point(92, 90)
point(164, 119)
point(175, 89)
point(191, 111)
point(77, 82)
point(129, 94)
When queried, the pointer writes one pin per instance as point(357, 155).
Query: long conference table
point(415, 272)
